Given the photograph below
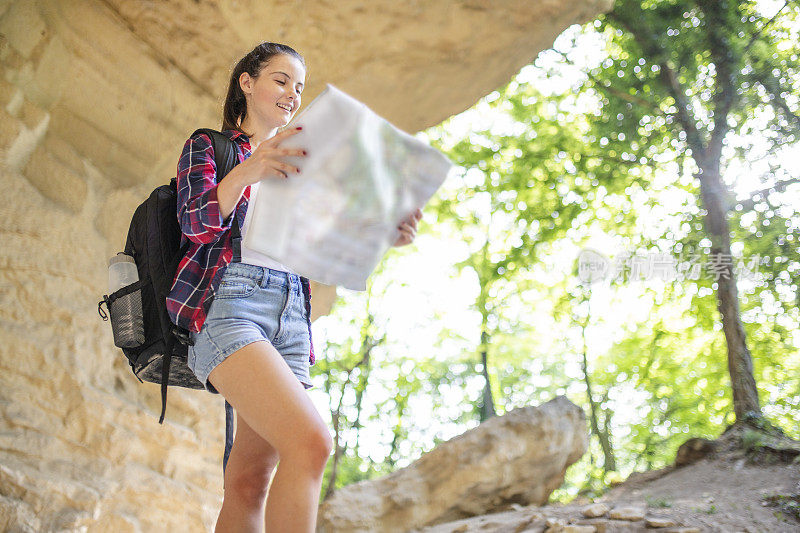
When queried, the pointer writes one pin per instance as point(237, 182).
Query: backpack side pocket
point(127, 319)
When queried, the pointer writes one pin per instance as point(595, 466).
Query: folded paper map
point(335, 220)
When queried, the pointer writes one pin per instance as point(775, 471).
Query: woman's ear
point(246, 83)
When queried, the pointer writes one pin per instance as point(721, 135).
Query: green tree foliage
point(602, 144)
point(372, 385)
point(697, 80)
point(681, 92)
point(516, 190)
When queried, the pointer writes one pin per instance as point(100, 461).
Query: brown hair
point(235, 107)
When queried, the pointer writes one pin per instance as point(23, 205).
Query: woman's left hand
point(408, 228)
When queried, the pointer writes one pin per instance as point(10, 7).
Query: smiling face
point(274, 96)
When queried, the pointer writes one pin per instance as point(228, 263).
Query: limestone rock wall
point(96, 100)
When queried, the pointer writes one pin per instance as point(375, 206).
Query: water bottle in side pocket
point(127, 322)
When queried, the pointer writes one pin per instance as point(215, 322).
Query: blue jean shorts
point(253, 303)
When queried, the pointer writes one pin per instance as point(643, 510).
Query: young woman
point(247, 314)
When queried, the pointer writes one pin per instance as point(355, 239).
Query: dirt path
point(719, 495)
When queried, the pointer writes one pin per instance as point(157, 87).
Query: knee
point(318, 448)
point(313, 450)
point(249, 486)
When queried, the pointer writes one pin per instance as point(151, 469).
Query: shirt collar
point(237, 136)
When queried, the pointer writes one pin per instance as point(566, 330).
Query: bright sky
point(422, 281)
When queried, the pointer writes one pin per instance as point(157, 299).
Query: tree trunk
point(740, 362)
point(396, 435)
point(338, 451)
point(360, 388)
point(609, 463)
point(708, 155)
point(487, 410)
point(487, 405)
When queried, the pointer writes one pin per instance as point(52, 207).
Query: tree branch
point(725, 64)
point(764, 27)
point(772, 86)
point(767, 80)
point(616, 92)
point(609, 159)
point(668, 77)
point(685, 115)
point(749, 203)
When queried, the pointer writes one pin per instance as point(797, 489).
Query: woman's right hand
point(265, 161)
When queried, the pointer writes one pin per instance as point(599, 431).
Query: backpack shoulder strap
point(225, 158)
point(224, 151)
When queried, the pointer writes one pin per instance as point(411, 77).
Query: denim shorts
point(253, 303)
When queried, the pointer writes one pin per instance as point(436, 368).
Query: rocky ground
point(731, 492)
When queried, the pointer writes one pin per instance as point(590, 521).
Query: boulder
point(595, 510)
point(693, 450)
point(631, 513)
point(519, 457)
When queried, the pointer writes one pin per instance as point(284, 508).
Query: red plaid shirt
point(210, 251)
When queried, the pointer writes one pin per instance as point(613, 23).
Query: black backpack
point(154, 241)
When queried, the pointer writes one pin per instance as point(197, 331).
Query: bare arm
point(205, 206)
point(261, 164)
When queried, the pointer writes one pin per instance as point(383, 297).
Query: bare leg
point(259, 384)
point(250, 466)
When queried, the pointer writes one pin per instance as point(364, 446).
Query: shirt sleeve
point(198, 207)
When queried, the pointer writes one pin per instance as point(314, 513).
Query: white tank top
point(250, 256)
